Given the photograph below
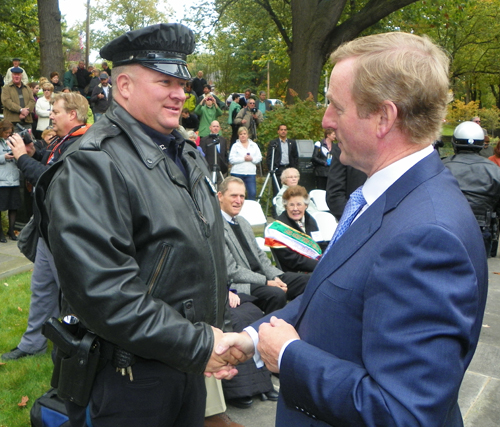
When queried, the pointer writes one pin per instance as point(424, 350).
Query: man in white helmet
point(479, 180)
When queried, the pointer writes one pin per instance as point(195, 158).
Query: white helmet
point(468, 135)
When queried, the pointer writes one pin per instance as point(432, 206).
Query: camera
point(253, 110)
point(24, 134)
point(214, 137)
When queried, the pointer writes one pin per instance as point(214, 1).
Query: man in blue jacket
point(390, 319)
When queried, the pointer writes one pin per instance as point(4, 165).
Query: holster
point(76, 362)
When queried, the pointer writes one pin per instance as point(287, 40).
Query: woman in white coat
point(43, 107)
point(244, 156)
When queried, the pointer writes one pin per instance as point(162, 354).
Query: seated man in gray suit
point(248, 267)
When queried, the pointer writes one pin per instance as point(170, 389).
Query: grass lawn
point(29, 376)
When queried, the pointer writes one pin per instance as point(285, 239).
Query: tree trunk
point(316, 35)
point(51, 51)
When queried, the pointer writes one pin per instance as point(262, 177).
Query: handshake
point(233, 348)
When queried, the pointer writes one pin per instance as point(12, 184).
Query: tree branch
point(268, 8)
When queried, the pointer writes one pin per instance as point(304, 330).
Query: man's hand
point(24, 113)
point(222, 362)
point(235, 347)
point(234, 300)
point(272, 337)
point(278, 283)
point(16, 144)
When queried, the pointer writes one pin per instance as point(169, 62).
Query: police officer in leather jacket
point(479, 180)
point(135, 228)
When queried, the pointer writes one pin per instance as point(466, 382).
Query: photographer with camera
point(214, 147)
point(10, 196)
point(18, 101)
point(250, 117)
point(69, 116)
point(207, 111)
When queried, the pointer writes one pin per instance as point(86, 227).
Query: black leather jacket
point(479, 180)
point(139, 249)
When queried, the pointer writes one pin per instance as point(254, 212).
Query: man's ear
point(72, 115)
point(124, 83)
point(387, 116)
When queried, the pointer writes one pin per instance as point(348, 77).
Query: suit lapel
point(238, 250)
point(369, 223)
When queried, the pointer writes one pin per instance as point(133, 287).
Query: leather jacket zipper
point(159, 266)
point(200, 213)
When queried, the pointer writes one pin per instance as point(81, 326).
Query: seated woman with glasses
point(289, 177)
point(293, 236)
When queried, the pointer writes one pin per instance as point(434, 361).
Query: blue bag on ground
point(49, 411)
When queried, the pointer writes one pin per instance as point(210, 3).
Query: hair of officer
point(409, 70)
point(225, 184)
point(295, 191)
point(287, 172)
point(73, 101)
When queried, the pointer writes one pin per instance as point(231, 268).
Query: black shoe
point(12, 236)
point(241, 402)
point(3, 239)
point(270, 395)
point(16, 353)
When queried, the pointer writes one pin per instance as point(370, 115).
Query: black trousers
point(272, 298)
point(158, 396)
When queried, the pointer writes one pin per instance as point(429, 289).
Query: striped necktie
point(352, 208)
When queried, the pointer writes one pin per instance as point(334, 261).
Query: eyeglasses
point(296, 205)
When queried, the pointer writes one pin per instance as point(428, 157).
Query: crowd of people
point(139, 239)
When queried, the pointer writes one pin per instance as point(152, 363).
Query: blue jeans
point(250, 184)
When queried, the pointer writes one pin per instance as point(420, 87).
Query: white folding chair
point(319, 199)
point(253, 213)
point(326, 224)
point(261, 244)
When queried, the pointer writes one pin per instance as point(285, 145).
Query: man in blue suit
point(390, 319)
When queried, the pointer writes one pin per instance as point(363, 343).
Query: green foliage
point(19, 35)
point(111, 18)
point(303, 119)
point(29, 376)
point(490, 118)
point(459, 111)
point(470, 32)
point(239, 48)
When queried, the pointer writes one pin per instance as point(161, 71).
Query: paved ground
point(480, 393)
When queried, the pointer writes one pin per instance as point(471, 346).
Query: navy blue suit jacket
point(391, 316)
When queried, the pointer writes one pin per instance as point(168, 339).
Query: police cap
point(160, 47)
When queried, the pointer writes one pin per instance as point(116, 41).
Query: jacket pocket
point(159, 265)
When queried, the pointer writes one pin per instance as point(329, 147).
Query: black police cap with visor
point(161, 47)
